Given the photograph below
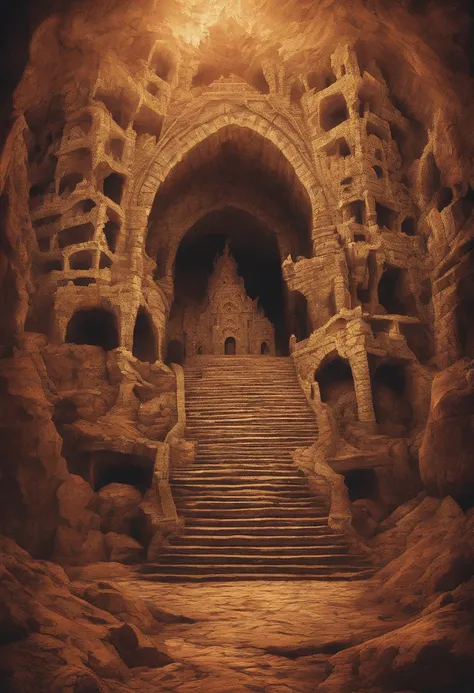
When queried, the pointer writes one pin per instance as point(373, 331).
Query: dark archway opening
point(113, 187)
point(392, 406)
point(247, 192)
point(256, 253)
point(264, 348)
point(239, 163)
point(409, 226)
point(230, 346)
point(395, 294)
point(109, 467)
point(361, 483)
point(175, 352)
point(95, 326)
point(144, 342)
point(334, 379)
point(337, 389)
point(299, 319)
point(333, 111)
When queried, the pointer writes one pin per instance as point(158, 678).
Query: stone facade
point(230, 322)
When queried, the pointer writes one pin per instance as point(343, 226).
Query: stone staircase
point(248, 512)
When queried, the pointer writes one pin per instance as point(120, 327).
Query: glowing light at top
point(201, 15)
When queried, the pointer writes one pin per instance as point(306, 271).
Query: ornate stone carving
point(229, 316)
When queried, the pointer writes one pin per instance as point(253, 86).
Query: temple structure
point(229, 322)
point(237, 342)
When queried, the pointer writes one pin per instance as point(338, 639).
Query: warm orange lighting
point(201, 15)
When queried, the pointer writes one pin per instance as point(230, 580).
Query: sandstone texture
point(283, 191)
point(446, 453)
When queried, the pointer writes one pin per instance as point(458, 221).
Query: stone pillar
point(127, 307)
point(137, 227)
point(363, 388)
point(370, 211)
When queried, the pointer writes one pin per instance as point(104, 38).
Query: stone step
point(271, 552)
point(273, 497)
point(325, 575)
point(228, 504)
point(235, 455)
point(256, 525)
point(291, 559)
point(253, 471)
point(255, 514)
point(236, 433)
point(296, 481)
point(283, 496)
point(270, 542)
point(293, 570)
point(239, 466)
point(253, 442)
point(238, 485)
point(246, 427)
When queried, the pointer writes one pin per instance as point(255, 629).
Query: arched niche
point(230, 346)
point(255, 250)
point(337, 389)
point(103, 467)
point(95, 326)
point(334, 377)
point(235, 158)
point(395, 293)
point(175, 352)
point(144, 339)
point(391, 396)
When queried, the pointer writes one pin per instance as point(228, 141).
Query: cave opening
point(361, 483)
point(95, 326)
point(110, 467)
point(335, 379)
point(393, 411)
point(175, 352)
point(394, 292)
point(244, 193)
point(258, 262)
point(144, 341)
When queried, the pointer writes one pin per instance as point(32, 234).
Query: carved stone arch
point(175, 240)
point(171, 150)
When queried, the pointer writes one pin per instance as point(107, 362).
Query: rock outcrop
point(446, 453)
point(61, 636)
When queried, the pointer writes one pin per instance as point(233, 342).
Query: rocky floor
point(259, 636)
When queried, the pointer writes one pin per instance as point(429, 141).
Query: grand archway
point(235, 186)
point(256, 253)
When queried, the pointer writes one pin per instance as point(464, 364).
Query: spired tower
point(228, 321)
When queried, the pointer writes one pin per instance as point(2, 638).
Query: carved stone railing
point(174, 450)
point(181, 451)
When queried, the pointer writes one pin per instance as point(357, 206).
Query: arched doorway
point(230, 346)
point(392, 407)
point(144, 342)
point(175, 353)
point(254, 249)
point(235, 186)
point(95, 326)
point(264, 348)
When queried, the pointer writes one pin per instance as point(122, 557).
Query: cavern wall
point(133, 125)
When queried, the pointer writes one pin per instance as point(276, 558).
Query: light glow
point(201, 15)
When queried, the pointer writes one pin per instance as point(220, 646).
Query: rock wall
point(368, 184)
